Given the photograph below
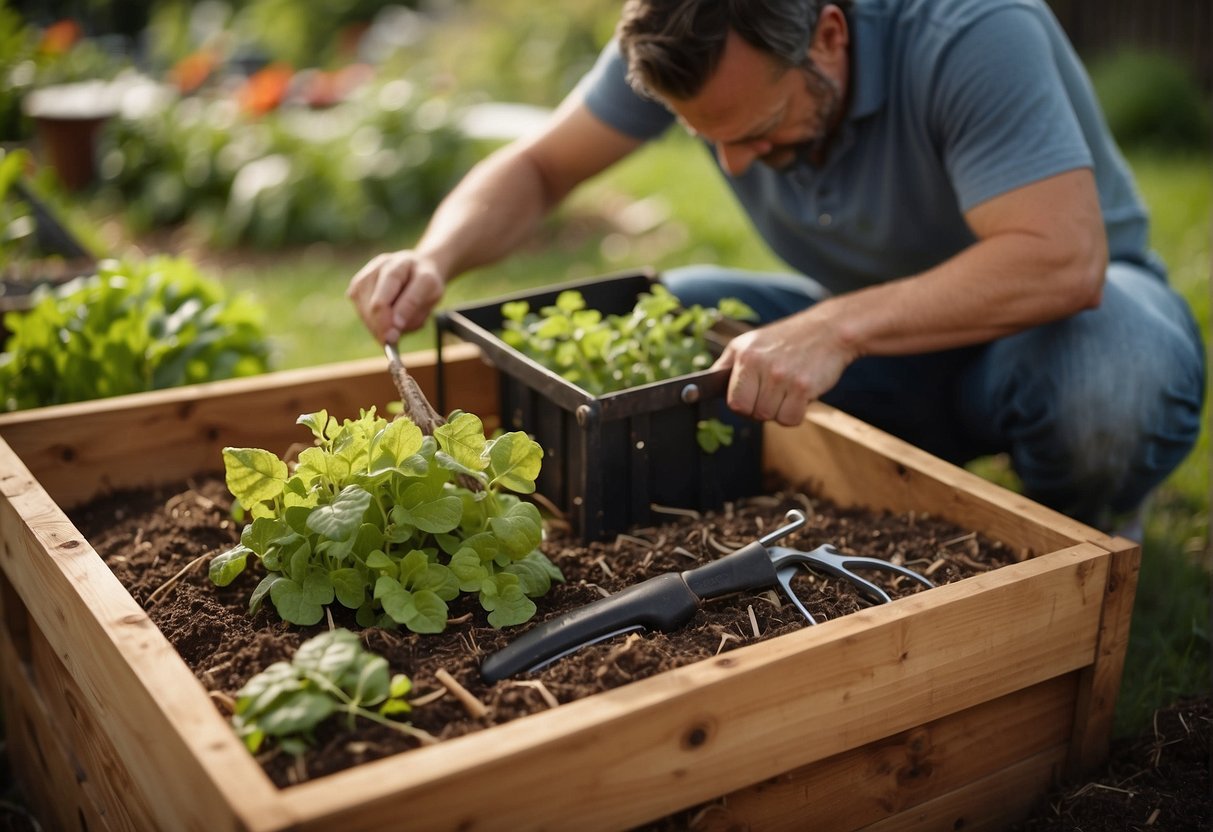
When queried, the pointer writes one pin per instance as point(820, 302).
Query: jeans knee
point(771, 295)
point(1096, 418)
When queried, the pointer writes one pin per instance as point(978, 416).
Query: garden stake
point(417, 407)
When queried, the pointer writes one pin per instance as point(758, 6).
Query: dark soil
point(1158, 781)
point(158, 543)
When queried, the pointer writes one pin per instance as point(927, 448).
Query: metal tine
point(829, 560)
point(785, 576)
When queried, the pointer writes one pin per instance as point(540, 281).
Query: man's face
point(751, 109)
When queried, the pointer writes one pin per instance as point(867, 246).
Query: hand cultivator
point(668, 601)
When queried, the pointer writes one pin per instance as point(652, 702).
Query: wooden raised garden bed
point(951, 708)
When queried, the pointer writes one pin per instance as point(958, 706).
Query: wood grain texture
point(856, 464)
point(1099, 685)
point(896, 774)
point(988, 805)
point(131, 689)
point(37, 757)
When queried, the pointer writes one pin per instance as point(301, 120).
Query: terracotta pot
point(70, 147)
point(66, 120)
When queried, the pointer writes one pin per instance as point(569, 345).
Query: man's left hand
point(781, 367)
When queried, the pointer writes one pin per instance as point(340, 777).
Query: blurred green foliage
point(17, 46)
point(341, 174)
point(517, 50)
point(133, 326)
point(17, 225)
point(1152, 101)
point(315, 33)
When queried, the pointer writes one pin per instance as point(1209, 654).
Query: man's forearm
point(1041, 256)
point(995, 288)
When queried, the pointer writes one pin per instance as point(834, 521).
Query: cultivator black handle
point(670, 600)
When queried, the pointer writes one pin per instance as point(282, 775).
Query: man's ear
point(831, 38)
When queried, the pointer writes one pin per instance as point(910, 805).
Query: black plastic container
point(608, 459)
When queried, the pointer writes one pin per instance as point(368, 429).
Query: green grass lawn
point(1169, 641)
point(667, 206)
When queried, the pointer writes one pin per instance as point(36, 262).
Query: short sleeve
point(1000, 108)
point(609, 97)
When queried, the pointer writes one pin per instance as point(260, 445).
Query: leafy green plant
point(331, 674)
point(17, 225)
point(712, 434)
point(1150, 99)
point(601, 354)
point(18, 46)
point(131, 327)
point(374, 518)
point(516, 50)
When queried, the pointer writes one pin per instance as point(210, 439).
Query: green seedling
point(329, 675)
point(657, 340)
point(131, 327)
point(373, 517)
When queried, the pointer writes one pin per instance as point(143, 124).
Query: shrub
point(1151, 100)
point(129, 328)
point(292, 176)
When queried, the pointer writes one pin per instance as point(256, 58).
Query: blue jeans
point(1094, 411)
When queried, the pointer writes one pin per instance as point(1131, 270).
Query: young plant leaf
point(253, 475)
point(514, 462)
point(349, 586)
point(463, 438)
point(329, 674)
point(227, 566)
point(712, 434)
point(293, 603)
point(340, 519)
point(431, 613)
point(329, 654)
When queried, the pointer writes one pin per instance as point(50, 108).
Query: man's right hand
point(395, 292)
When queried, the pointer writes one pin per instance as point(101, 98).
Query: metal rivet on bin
point(690, 393)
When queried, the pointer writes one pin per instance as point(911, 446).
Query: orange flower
point(191, 72)
point(265, 89)
point(60, 37)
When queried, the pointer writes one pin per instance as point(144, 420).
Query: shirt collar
point(869, 53)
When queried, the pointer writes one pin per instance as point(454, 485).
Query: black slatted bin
point(607, 459)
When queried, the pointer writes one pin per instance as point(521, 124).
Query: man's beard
point(811, 149)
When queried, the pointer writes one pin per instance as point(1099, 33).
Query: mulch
point(158, 542)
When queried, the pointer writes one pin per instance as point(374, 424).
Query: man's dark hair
point(673, 46)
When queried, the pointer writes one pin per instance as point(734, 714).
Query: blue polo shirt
point(953, 102)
